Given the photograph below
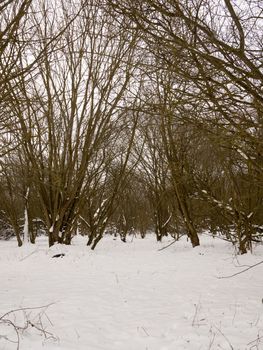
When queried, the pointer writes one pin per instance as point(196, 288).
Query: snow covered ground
point(132, 296)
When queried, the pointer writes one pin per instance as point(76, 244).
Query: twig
point(167, 245)
point(231, 346)
point(215, 236)
point(20, 329)
point(27, 256)
point(256, 340)
point(177, 239)
point(41, 329)
point(211, 340)
point(238, 273)
point(195, 314)
point(25, 309)
point(16, 330)
point(145, 331)
point(44, 313)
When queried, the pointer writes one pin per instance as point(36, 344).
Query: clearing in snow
point(130, 296)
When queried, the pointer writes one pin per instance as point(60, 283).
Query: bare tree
point(212, 54)
point(13, 16)
point(69, 111)
point(155, 174)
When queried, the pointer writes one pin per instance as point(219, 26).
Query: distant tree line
point(134, 116)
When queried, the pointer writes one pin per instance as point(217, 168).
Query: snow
point(133, 296)
point(242, 153)
point(167, 221)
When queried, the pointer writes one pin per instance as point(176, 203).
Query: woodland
point(128, 117)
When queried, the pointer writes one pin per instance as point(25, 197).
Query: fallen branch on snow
point(27, 256)
point(29, 323)
point(257, 341)
point(167, 245)
point(177, 239)
point(238, 273)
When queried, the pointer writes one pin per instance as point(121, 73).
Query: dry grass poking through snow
point(132, 296)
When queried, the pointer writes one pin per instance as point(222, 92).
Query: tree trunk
point(26, 219)
point(50, 239)
point(192, 234)
point(183, 208)
point(96, 241)
point(19, 240)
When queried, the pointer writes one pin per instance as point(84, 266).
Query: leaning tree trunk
point(184, 210)
point(96, 240)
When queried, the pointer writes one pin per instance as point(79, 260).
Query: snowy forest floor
point(131, 296)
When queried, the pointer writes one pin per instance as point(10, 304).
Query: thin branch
point(224, 337)
point(177, 239)
point(25, 309)
point(238, 273)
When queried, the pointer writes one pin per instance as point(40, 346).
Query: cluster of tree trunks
point(138, 115)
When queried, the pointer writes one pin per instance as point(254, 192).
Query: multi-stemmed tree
point(80, 78)
point(212, 54)
point(69, 109)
